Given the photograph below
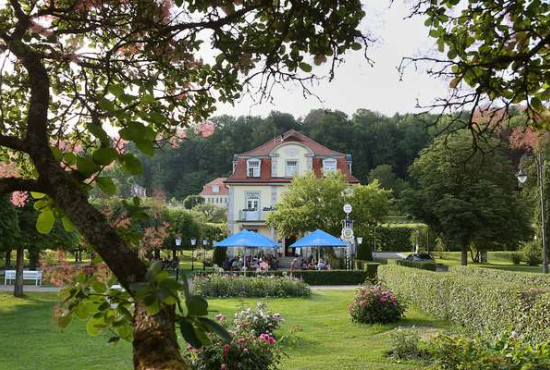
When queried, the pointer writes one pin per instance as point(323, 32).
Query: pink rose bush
point(253, 346)
point(375, 304)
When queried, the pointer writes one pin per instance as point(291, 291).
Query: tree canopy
point(467, 195)
point(316, 203)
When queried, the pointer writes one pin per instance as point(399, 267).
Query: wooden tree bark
point(19, 265)
point(464, 255)
point(7, 261)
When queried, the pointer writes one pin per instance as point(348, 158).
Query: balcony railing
point(258, 215)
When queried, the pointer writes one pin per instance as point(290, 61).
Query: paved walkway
point(31, 288)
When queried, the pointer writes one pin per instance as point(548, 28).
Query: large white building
point(216, 192)
point(261, 175)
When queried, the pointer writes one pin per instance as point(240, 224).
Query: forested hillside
point(372, 138)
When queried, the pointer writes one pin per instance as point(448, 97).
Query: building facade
point(262, 175)
point(216, 192)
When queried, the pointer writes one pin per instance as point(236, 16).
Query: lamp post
point(359, 242)
point(174, 257)
point(522, 177)
point(204, 244)
point(193, 243)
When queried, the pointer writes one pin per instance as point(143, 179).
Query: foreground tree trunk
point(464, 255)
point(155, 342)
point(19, 265)
point(34, 257)
point(7, 263)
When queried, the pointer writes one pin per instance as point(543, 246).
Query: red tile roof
point(289, 136)
point(220, 181)
point(240, 175)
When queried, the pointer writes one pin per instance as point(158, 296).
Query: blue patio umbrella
point(246, 239)
point(318, 239)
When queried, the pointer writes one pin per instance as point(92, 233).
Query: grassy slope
point(497, 260)
point(328, 339)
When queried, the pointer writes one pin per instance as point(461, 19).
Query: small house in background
point(216, 192)
point(138, 191)
point(261, 175)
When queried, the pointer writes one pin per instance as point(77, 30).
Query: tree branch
point(13, 143)
point(11, 184)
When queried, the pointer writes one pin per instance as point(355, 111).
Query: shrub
point(532, 253)
point(479, 304)
point(231, 285)
point(219, 256)
point(430, 266)
point(258, 320)
point(246, 351)
point(405, 345)
point(452, 352)
point(515, 258)
point(375, 304)
point(315, 277)
point(370, 267)
point(364, 251)
point(395, 238)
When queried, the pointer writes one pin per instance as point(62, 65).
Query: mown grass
point(496, 260)
point(325, 337)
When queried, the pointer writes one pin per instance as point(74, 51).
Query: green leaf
point(99, 287)
point(67, 224)
point(98, 132)
point(146, 147)
point(147, 99)
point(197, 306)
point(106, 185)
point(116, 90)
point(57, 153)
point(153, 271)
point(45, 221)
point(113, 340)
point(131, 164)
point(86, 165)
point(95, 325)
point(216, 328)
point(106, 105)
point(356, 46)
point(536, 104)
point(64, 321)
point(305, 67)
point(153, 307)
point(36, 195)
point(188, 332)
point(105, 156)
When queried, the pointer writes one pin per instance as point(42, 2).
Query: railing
point(253, 215)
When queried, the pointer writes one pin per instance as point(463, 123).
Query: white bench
point(27, 275)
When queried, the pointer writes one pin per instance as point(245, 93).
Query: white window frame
point(330, 161)
point(287, 172)
point(248, 196)
point(256, 170)
point(215, 189)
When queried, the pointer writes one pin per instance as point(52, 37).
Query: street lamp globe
point(205, 242)
point(193, 241)
point(359, 240)
point(178, 241)
point(522, 176)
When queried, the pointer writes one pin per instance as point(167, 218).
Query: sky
point(359, 85)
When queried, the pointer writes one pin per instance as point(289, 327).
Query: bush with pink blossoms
point(375, 304)
point(246, 351)
point(257, 320)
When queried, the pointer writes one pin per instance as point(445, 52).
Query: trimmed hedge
point(370, 267)
point(226, 285)
point(430, 266)
point(394, 238)
point(522, 278)
point(314, 277)
point(480, 305)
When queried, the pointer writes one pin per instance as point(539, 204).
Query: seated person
point(321, 265)
point(303, 265)
point(264, 265)
point(237, 264)
point(226, 264)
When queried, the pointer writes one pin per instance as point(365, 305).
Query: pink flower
point(220, 317)
point(19, 198)
point(206, 129)
point(363, 303)
point(223, 367)
point(226, 349)
point(264, 337)
point(271, 340)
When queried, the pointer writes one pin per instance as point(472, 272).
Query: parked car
point(420, 257)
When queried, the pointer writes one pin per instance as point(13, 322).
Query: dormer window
point(291, 168)
point(215, 189)
point(253, 168)
point(329, 165)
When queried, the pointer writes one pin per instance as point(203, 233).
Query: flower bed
point(231, 285)
point(375, 304)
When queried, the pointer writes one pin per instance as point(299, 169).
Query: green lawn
point(496, 260)
point(326, 337)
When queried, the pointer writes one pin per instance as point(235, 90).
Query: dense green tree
point(192, 201)
point(9, 228)
point(212, 213)
point(388, 179)
point(295, 214)
point(469, 196)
